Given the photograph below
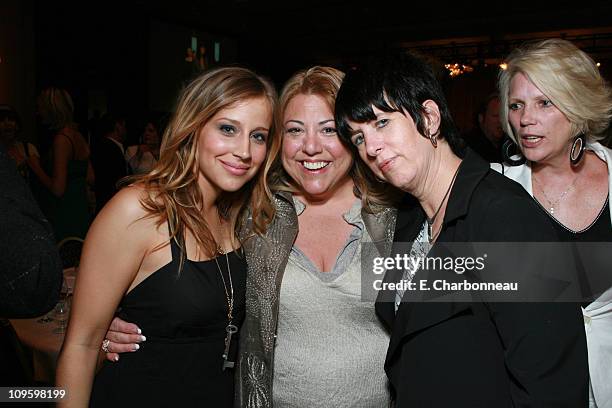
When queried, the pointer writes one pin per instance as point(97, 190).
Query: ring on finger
point(105, 345)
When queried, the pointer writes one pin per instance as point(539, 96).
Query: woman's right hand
point(123, 337)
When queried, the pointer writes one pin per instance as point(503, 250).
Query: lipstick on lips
point(235, 168)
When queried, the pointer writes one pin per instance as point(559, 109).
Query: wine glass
point(62, 309)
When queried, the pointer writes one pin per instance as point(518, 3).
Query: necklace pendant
point(552, 210)
point(230, 329)
point(429, 231)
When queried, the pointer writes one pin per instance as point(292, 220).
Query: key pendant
point(230, 329)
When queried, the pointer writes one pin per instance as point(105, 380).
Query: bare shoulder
point(125, 213)
point(61, 139)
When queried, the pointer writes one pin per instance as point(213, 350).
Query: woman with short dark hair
point(460, 353)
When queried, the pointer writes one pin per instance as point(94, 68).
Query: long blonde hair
point(56, 108)
point(174, 195)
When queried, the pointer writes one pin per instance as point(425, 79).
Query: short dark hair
point(107, 124)
point(484, 105)
point(393, 82)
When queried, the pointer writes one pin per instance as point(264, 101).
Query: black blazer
point(477, 353)
point(30, 266)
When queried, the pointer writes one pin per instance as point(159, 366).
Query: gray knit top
point(330, 348)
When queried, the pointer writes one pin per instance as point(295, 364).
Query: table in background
point(39, 338)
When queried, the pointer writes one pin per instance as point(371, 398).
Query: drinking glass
point(61, 316)
point(62, 309)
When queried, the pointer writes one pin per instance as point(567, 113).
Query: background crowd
point(376, 157)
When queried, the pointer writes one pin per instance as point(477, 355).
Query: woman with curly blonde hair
point(165, 251)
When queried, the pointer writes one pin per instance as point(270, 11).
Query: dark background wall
point(17, 63)
point(128, 57)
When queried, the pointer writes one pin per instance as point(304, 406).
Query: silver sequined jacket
point(267, 257)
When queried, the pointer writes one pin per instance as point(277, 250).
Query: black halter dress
point(184, 317)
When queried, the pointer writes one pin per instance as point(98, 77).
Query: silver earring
point(433, 138)
point(577, 150)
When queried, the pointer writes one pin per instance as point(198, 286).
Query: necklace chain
point(229, 295)
point(553, 204)
point(231, 328)
point(430, 221)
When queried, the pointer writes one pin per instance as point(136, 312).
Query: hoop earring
point(577, 150)
point(433, 138)
point(510, 150)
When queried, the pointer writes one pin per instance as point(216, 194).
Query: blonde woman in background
point(67, 206)
point(165, 251)
point(556, 107)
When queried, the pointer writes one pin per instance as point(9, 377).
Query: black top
point(184, 317)
point(598, 231)
point(481, 354)
point(593, 279)
point(30, 266)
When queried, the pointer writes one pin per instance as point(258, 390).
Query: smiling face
point(232, 145)
point(312, 154)
point(393, 148)
point(542, 130)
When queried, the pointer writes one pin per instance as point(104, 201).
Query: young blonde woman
point(164, 250)
point(308, 338)
point(67, 205)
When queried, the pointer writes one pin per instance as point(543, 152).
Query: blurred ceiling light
point(458, 69)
